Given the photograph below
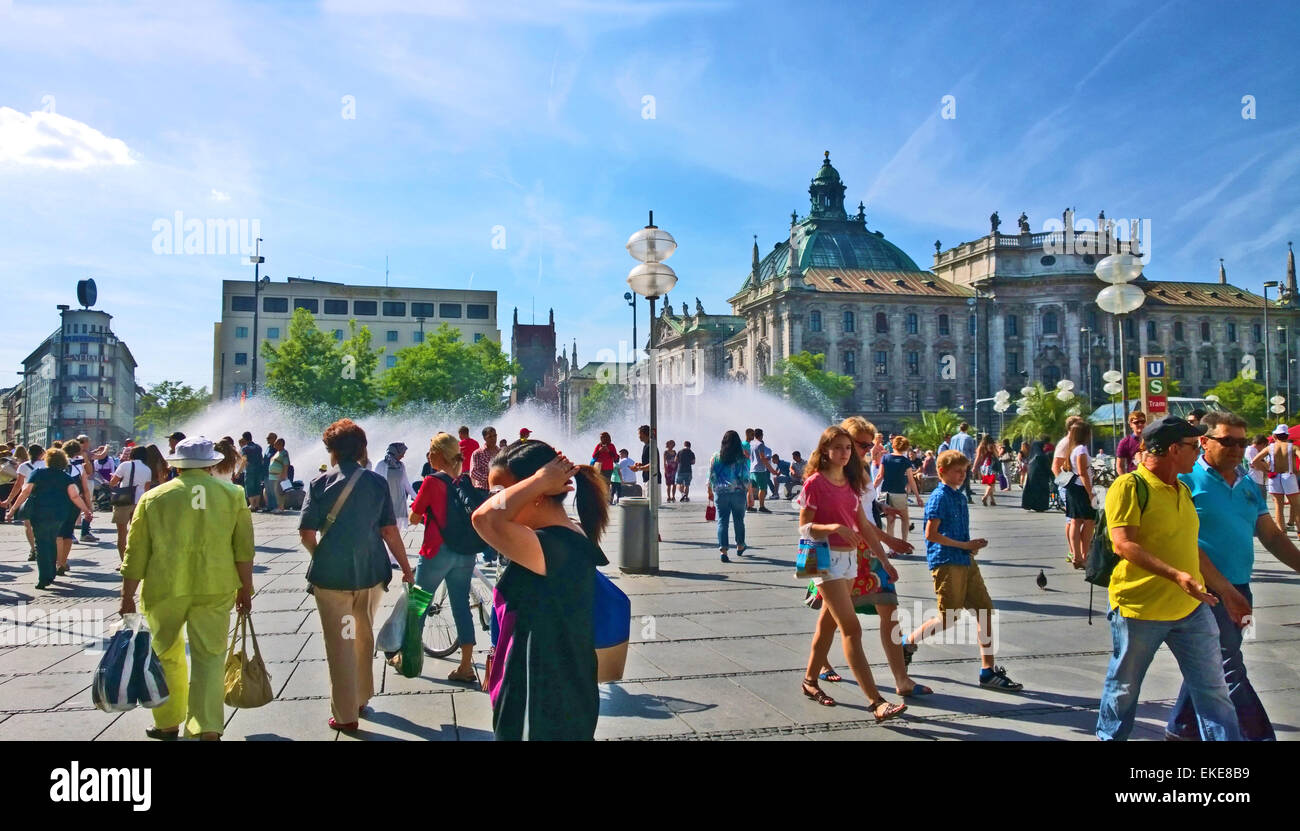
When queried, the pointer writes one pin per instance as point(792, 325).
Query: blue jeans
point(1255, 725)
point(1194, 640)
point(272, 494)
point(730, 504)
point(456, 569)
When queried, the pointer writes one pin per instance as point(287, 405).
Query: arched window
point(1050, 376)
point(848, 322)
point(1049, 323)
point(814, 321)
point(882, 323)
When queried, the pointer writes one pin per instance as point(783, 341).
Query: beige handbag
point(248, 684)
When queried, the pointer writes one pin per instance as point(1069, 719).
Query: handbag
point(813, 559)
point(711, 512)
point(122, 497)
point(1065, 478)
point(248, 684)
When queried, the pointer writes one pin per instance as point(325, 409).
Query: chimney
point(1223, 275)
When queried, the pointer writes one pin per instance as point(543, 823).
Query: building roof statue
point(994, 222)
point(1024, 223)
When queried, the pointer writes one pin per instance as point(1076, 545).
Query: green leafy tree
point(445, 370)
point(930, 429)
point(600, 405)
point(1241, 396)
point(803, 380)
point(310, 369)
point(1045, 414)
point(167, 405)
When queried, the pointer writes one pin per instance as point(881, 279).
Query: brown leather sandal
point(811, 690)
point(891, 710)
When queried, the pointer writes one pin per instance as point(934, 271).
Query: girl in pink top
point(831, 510)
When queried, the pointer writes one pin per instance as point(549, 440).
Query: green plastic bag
point(412, 656)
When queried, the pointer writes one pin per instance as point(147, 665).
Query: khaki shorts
point(960, 587)
point(896, 500)
point(122, 514)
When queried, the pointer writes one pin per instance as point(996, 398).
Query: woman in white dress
point(399, 484)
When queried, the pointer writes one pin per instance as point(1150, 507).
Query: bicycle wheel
point(439, 627)
point(484, 612)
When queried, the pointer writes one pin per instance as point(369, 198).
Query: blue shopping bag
point(129, 674)
point(813, 559)
point(613, 629)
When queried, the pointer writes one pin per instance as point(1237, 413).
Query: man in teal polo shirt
point(1232, 512)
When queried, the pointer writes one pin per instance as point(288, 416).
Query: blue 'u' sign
point(1155, 369)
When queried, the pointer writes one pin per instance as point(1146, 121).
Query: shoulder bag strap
point(338, 503)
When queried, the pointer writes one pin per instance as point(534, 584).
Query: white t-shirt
point(26, 469)
point(625, 474)
point(1059, 451)
point(1081, 450)
point(758, 452)
point(1256, 476)
point(139, 478)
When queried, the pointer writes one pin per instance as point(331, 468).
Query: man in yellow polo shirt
point(1157, 592)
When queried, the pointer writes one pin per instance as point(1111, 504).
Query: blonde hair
point(446, 446)
point(858, 426)
point(952, 458)
point(56, 459)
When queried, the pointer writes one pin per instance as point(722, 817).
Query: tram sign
point(1155, 386)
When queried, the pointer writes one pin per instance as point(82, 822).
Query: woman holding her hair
point(729, 485)
point(545, 688)
point(832, 511)
point(986, 456)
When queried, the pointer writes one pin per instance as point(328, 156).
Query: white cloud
point(218, 196)
point(46, 139)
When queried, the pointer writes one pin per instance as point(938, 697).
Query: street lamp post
point(1268, 284)
point(257, 259)
point(1087, 369)
point(980, 294)
point(652, 280)
point(1284, 336)
point(631, 301)
point(1119, 299)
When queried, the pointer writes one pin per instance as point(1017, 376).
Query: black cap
point(177, 436)
point(1198, 412)
point(1170, 430)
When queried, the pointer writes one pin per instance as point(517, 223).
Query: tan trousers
point(347, 620)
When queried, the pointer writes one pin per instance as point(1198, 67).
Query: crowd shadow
point(616, 701)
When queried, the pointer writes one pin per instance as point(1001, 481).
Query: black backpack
point(462, 500)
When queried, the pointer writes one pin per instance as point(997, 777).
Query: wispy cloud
point(48, 139)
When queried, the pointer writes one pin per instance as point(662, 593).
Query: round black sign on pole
point(87, 294)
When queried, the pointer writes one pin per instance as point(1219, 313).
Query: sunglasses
point(1230, 442)
point(863, 445)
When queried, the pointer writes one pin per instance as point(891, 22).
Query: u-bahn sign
point(1155, 386)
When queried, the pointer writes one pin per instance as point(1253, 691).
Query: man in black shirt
point(251, 454)
point(685, 461)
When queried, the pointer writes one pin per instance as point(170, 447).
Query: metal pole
point(1268, 390)
point(1123, 365)
point(257, 288)
point(654, 447)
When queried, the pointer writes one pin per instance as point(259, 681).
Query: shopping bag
point(129, 674)
point(711, 512)
point(813, 559)
point(411, 659)
point(248, 684)
point(390, 634)
point(613, 621)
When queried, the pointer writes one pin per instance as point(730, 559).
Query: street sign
point(1154, 386)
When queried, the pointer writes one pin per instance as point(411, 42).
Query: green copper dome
point(828, 238)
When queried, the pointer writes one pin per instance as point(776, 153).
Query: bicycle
point(439, 625)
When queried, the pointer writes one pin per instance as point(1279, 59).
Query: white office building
point(397, 318)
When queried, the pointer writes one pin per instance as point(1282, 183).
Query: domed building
point(834, 286)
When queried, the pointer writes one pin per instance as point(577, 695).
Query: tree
point(167, 405)
point(931, 429)
point(1046, 414)
point(310, 369)
point(602, 403)
point(1244, 397)
point(445, 370)
point(802, 379)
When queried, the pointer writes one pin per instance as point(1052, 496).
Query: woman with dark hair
point(986, 460)
point(604, 458)
point(729, 481)
point(54, 497)
point(543, 679)
point(157, 465)
point(349, 568)
point(1037, 493)
point(1078, 494)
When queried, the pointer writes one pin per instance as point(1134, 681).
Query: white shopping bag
point(391, 633)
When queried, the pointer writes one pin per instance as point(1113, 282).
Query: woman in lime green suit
point(191, 543)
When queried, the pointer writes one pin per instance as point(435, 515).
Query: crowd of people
point(1188, 498)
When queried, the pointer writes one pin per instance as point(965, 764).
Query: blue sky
point(529, 116)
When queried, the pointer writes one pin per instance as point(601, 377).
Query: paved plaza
point(718, 649)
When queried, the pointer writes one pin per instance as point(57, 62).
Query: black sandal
point(817, 694)
point(163, 735)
